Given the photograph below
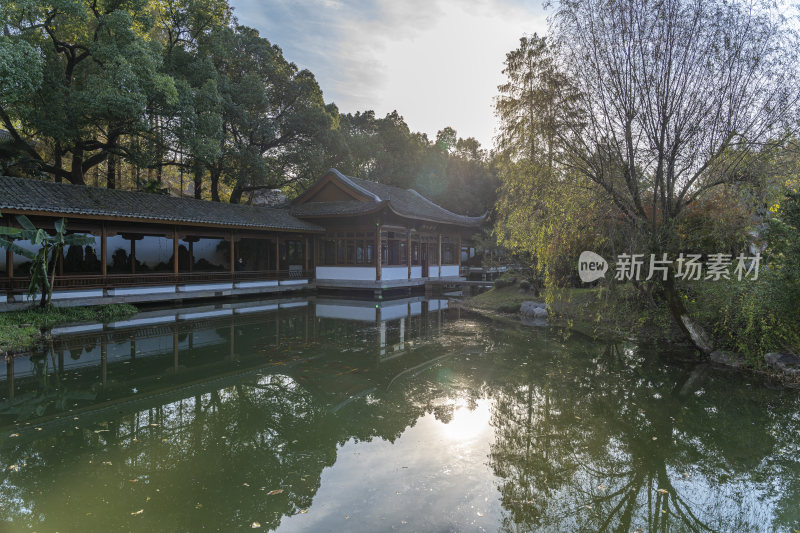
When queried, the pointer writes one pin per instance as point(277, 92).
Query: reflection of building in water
point(172, 346)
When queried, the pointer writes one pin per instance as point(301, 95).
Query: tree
point(98, 74)
point(543, 206)
point(272, 113)
point(674, 99)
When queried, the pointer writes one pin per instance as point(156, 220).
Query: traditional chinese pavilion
point(343, 233)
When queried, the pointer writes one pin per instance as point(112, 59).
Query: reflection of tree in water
point(573, 446)
point(611, 440)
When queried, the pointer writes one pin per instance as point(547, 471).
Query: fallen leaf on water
point(588, 506)
point(15, 468)
point(100, 430)
point(602, 487)
point(133, 480)
point(655, 438)
point(663, 491)
point(107, 463)
point(638, 531)
point(14, 435)
point(687, 475)
point(140, 511)
point(480, 513)
point(274, 492)
point(303, 511)
point(663, 511)
point(245, 484)
point(346, 517)
point(255, 525)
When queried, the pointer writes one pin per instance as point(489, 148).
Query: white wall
point(394, 272)
point(346, 273)
point(449, 270)
point(416, 272)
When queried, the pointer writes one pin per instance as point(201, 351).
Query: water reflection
point(331, 415)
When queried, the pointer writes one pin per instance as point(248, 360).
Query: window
point(348, 248)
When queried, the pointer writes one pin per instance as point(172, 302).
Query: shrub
point(525, 285)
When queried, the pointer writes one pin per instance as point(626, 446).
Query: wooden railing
point(96, 281)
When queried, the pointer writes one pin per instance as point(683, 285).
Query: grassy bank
point(598, 312)
point(21, 330)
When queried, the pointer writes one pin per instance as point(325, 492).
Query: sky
point(437, 62)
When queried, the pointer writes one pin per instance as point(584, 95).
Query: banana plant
point(43, 260)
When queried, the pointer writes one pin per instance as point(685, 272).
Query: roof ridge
point(359, 188)
point(141, 194)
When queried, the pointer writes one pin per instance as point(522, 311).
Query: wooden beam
point(149, 222)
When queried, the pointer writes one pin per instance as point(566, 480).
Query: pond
point(407, 415)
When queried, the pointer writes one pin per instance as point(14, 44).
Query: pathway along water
point(406, 415)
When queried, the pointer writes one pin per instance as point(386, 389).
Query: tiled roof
point(405, 202)
point(70, 200)
point(318, 209)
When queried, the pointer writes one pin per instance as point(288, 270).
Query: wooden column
point(10, 264)
point(408, 250)
point(306, 256)
point(104, 251)
point(440, 255)
point(459, 254)
point(61, 263)
point(277, 252)
point(232, 247)
point(191, 256)
point(175, 251)
point(378, 253)
point(133, 256)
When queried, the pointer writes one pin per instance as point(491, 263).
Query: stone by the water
point(529, 307)
point(784, 362)
point(722, 357)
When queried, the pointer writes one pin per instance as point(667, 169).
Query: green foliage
point(757, 317)
point(20, 71)
point(454, 172)
point(43, 259)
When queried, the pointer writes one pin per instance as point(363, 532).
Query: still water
point(406, 415)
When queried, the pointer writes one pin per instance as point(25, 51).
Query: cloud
point(437, 62)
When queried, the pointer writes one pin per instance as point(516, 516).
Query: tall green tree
point(98, 74)
point(272, 112)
